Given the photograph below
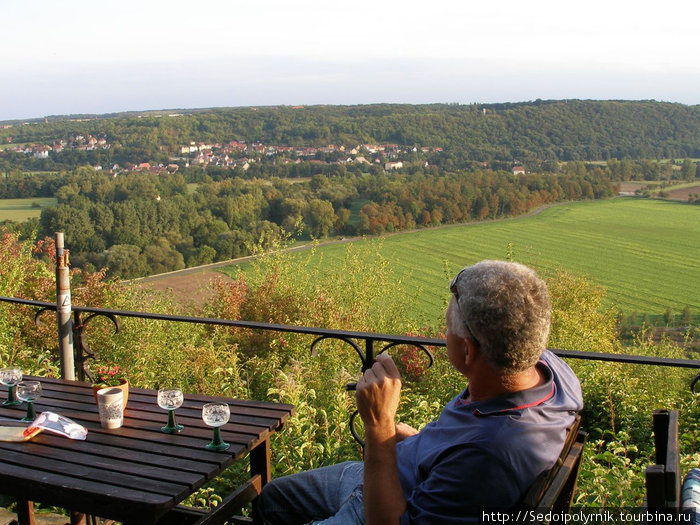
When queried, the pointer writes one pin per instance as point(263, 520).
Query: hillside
point(159, 191)
point(563, 130)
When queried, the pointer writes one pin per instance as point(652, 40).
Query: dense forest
point(529, 133)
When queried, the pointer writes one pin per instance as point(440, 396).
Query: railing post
point(63, 310)
point(368, 361)
point(80, 347)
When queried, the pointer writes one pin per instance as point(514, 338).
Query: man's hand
point(377, 395)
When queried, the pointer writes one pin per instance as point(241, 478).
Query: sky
point(76, 57)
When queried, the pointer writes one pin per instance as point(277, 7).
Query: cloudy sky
point(70, 56)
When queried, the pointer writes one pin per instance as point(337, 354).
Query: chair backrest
point(663, 478)
point(554, 489)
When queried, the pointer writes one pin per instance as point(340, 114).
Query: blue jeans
point(328, 495)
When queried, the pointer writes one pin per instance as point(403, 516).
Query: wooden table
point(134, 474)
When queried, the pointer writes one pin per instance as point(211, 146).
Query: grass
point(19, 210)
point(644, 252)
point(682, 185)
point(355, 209)
point(676, 185)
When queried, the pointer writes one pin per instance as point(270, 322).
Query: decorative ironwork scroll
point(83, 351)
point(80, 347)
point(367, 359)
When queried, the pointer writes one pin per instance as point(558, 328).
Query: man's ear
point(471, 351)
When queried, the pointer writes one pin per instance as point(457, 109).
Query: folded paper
point(59, 424)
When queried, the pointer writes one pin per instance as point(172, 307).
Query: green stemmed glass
point(215, 415)
point(10, 377)
point(29, 391)
point(170, 399)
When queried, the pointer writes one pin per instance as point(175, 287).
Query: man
point(490, 442)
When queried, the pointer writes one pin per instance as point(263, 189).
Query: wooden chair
point(554, 489)
point(663, 480)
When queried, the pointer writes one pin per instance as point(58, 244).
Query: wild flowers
point(109, 376)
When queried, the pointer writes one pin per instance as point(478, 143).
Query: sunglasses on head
point(455, 292)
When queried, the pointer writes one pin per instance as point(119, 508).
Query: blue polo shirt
point(484, 455)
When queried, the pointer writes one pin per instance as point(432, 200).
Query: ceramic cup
point(110, 403)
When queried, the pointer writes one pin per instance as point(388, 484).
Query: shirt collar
point(514, 401)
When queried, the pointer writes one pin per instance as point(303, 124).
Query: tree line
point(17, 184)
point(144, 223)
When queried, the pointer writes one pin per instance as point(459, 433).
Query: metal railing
point(366, 356)
point(367, 345)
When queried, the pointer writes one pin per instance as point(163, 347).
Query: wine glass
point(215, 415)
point(10, 377)
point(29, 391)
point(170, 399)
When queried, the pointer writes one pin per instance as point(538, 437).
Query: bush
point(350, 295)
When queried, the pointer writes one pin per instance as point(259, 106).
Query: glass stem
point(171, 418)
point(217, 436)
point(31, 414)
point(11, 394)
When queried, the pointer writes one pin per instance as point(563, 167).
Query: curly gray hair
point(505, 308)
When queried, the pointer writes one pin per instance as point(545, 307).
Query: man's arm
point(378, 392)
point(403, 431)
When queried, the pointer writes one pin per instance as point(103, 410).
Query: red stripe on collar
point(548, 396)
point(545, 398)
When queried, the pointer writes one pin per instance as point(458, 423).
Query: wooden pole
point(63, 310)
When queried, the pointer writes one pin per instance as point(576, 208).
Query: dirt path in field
point(681, 194)
point(193, 285)
point(189, 288)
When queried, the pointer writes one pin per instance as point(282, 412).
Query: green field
point(19, 210)
point(644, 252)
